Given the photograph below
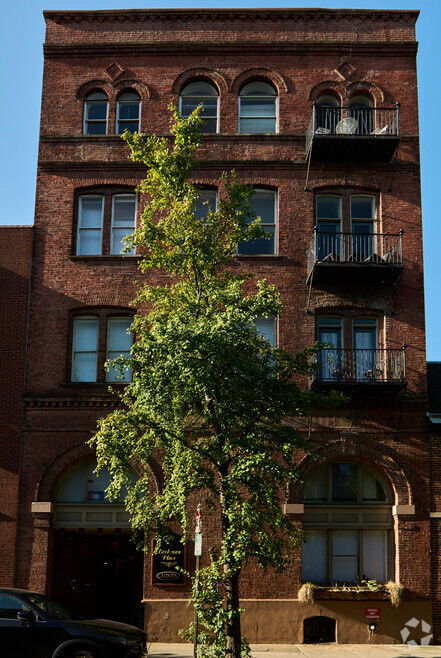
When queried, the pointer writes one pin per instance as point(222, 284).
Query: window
point(127, 112)
point(103, 221)
point(205, 203)
point(328, 213)
point(348, 524)
point(197, 93)
point(360, 361)
point(346, 228)
point(95, 113)
point(267, 327)
point(257, 108)
point(123, 221)
point(328, 114)
point(80, 484)
point(119, 342)
point(263, 205)
point(85, 349)
point(362, 227)
point(89, 355)
point(361, 109)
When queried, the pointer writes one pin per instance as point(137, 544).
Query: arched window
point(81, 502)
point(95, 113)
point(361, 109)
point(348, 524)
point(80, 484)
point(197, 93)
point(127, 112)
point(328, 113)
point(257, 108)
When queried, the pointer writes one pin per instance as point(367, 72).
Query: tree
point(209, 393)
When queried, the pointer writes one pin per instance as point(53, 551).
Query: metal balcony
point(367, 370)
point(354, 258)
point(364, 134)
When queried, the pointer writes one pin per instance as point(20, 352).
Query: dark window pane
point(96, 128)
point(345, 483)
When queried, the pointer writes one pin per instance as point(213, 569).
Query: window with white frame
point(104, 220)
point(95, 113)
point(123, 221)
point(258, 108)
point(205, 94)
point(119, 343)
point(264, 205)
point(85, 349)
point(348, 525)
point(90, 224)
point(96, 339)
point(127, 112)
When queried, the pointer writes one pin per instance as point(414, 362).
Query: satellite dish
point(346, 126)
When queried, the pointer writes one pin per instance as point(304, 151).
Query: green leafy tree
point(209, 393)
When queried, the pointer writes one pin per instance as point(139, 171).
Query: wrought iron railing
point(355, 248)
point(353, 121)
point(362, 366)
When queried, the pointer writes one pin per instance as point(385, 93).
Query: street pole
point(197, 552)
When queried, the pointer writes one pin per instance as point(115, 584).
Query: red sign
point(372, 613)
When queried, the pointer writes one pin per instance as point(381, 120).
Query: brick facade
point(304, 55)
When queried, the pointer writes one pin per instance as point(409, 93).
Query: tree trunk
point(233, 622)
point(231, 578)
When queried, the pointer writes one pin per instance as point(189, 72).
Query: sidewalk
point(157, 650)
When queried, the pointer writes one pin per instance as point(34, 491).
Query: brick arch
point(126, 85)
point(91, 85)
point(363, 87)
point(328, 87)
point(355, 449)
point(197, 73)
point(61, 463)
point(262, 73)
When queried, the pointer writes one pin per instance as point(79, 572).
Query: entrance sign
point(372, 613)
point(168, 560)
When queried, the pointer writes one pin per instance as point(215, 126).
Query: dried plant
point(395, 591)
point(306, 593)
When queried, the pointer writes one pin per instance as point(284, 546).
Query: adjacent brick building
point(317, 109)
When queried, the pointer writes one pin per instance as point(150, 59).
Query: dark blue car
point(33, 626)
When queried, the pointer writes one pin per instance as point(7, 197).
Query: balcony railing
point(357, 133)
point(358, 257)
point(379, 368)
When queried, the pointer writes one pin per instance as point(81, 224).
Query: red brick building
point(317, 109)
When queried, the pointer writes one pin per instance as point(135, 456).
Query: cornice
point(258, 46)
point(263, 14)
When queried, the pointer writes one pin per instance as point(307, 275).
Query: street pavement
point(156, 650)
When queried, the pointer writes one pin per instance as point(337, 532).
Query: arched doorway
point(97, 568)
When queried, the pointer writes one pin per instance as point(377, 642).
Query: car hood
point(108, 626)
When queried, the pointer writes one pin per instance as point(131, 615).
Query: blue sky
point(21, 57)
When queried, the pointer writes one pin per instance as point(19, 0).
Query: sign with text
point(168, 559)
point(198, 544)
point(372, 613)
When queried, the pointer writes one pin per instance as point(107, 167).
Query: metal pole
point(197, 552)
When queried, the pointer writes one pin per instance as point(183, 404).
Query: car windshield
point(50, 608)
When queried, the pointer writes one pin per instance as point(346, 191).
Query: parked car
point(33, 626)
